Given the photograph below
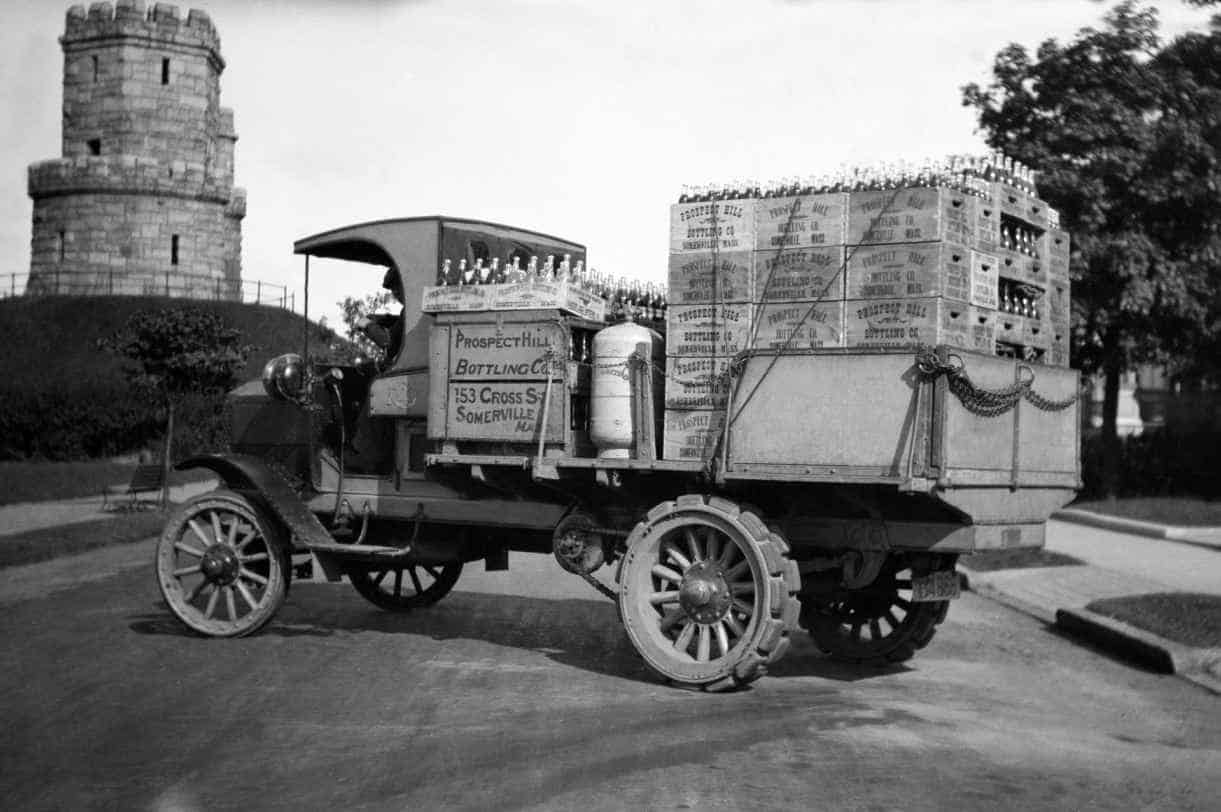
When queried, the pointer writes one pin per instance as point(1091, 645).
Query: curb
point(1199, 665)
point(1182, 535)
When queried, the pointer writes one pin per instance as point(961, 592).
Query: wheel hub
point(220, 564)
point(704, 593)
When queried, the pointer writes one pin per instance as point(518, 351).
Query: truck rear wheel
point(878, 624)
point(707, 593)
point(405, 588)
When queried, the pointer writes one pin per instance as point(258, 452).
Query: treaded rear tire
point(774, 581)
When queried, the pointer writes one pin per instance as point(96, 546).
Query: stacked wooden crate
point(708, 321)
point(891, 268)
point(798, 265)
point(918, 271)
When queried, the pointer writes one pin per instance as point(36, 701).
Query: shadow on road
point(580, 633)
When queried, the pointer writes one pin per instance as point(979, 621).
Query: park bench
point(145, 479)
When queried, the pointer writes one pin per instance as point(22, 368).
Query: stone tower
point(142, 201)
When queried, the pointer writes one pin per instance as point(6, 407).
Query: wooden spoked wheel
point(877, 624)
point(407, 587)
point(221, 566)
point(706, 593)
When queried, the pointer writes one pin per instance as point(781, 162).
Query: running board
point(331, 556)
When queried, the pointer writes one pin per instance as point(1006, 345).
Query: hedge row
point(1157, 463)
point(100, 418)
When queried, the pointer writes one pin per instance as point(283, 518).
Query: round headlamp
point(284, 377)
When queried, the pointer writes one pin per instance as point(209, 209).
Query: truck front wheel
point(878, 624)
point(707, 593)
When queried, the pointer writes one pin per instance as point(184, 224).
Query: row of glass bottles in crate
point(966, 173)
point(634, 298)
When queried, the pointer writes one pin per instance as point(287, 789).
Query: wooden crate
point(707, 330)
point(909, 270)
point(986, 214)
point(1056, 301)
point(981, 335)
point(727, 225)
point(906, 322)
point(1036, 212)
point(692, 434)
point(910, 215)
point(985, 280)
point(1022, 268)
point(697, 383)
point(537, 294)
point(799, 326)
point(1014, 201)
point(802, 221)
point(1054, 248)
point(696, 279)
point(457, 298)
point(1057, 350)
point(1011, 328)
point(800, 274)
point(1036, 333)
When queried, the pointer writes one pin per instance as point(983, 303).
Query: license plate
point(936, 586)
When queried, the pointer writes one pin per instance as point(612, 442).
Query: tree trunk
point(165, 457)
point(1112, 370)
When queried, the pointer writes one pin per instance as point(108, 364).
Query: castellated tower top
point(129, 18)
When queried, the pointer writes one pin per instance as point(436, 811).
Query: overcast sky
point(580, 119)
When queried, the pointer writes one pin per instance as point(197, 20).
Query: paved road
point(521, 692)
point(1184, 567)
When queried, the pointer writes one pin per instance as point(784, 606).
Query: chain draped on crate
point(986, 402)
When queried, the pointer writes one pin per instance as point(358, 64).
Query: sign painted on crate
point(721, 225)
point(795, 222)
point(503, 410)
point(985, 280)
point(800, 326)
point(457, 298)
point(909, 215)
point(982, 334)
point(696, 279)
point(800, 274)
point(697, 383)
point(546, 294)
point(691, 434)
point(707, 329)
point(987, 215)
point(505, 352)
point(909, 270)
point(906, 322)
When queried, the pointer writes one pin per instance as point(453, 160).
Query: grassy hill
point(62, 398)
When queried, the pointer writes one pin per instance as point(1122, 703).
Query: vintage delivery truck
point(734, 493)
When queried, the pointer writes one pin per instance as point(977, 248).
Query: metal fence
point(171, 284)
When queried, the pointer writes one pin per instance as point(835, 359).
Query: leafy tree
point(1126, 135)
point(352, 310)
point(175, 352)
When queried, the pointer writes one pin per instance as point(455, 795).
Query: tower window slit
point(174, 249)
point(95, 68)
point(61, 246)
point(95, 146)
point(165, 71)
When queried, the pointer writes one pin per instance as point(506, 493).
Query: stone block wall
point(148, 153)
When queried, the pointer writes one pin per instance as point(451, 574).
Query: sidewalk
point(1115, 566)
point(27, 516)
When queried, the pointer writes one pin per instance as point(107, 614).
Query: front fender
point(253, 476)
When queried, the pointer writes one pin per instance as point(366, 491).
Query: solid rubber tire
point(776, 580)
